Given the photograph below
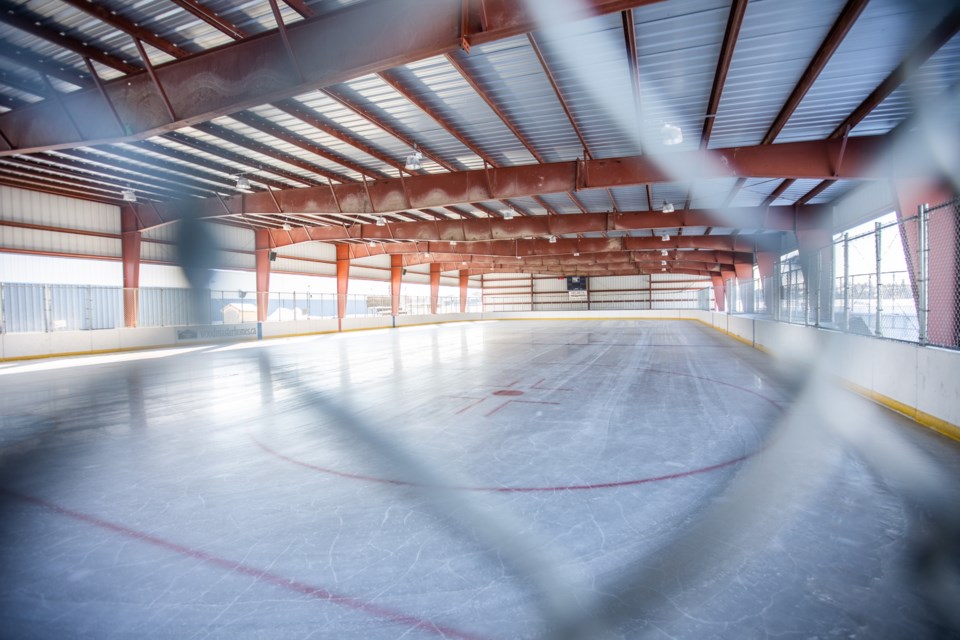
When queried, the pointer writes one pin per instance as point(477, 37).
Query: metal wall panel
point(549, 285)
point(58, 242)
point(304, 266)
point(312, 250)
point(372, 261)
point(21, 205)
point(619, 283)
point(369, 274)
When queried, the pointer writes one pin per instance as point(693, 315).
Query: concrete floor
point(215, 492)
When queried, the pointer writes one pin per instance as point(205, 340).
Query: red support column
point(396, 278)
point(343, 279)
point(262, 243)
point(130, 252)
point(718, 291)
point(815, 246)
point(744, 273)
point(766, 262)
point(434, 286)
point(464, 283)
point(943, 238)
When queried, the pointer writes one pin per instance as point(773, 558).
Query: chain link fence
point(897, 281)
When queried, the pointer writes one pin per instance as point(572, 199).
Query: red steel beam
point(300, 7)
point(841, 27)
point(281, 133)
point(568, 248)
point(926, 47)
point(864, 157)
point(211, 149)
point(485, 229)
point(737, 10)
point(132, 29)
point(29, 22)
point(340, 46)
point(264, 149)
point(213, 19)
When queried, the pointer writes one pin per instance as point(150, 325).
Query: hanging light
point(372, 243)
point(667, 207)
point(380, 221)
point(507, 214)
point(287, 227)
point(426, 255)
point(663, 262)
point(413, 160)
point(663, 252)
point(663, 268)
point(552, 239)
point(129, 195)
point(243, 182)
point(576, 254)
point(665, 237)
point(671, 134)
point(453, 243)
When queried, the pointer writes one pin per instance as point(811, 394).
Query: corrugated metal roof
point(590, 66)
point(677, 46)
point(860, 64)
point(940, 73)
point(379, 98)
point(755, 191)
point(438, 84)
point(795, 191)
point(511, 75)
point(777, 41)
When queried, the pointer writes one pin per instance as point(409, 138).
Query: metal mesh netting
point(940, 260)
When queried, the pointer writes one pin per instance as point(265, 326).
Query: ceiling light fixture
point(453, 243)
point(671, 134)
point(663, 268)
point(576, 254)
point(668, 207)
point(372, 243)
point(507, 214)
point(426, 254)
point(129, 195)
point(552, 239)
point(380, 221)
point(663, 263)
point(413, 160)
point(243, 182)
point(287, 227)
point(665, 237)
point(663, 252)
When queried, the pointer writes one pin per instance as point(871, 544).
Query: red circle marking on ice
point(572, 487)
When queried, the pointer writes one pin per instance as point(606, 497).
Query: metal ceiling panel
point(256, 159)
point(511, 75)
point(795, 191)
point(282, 147)
point(382, 100)
point(835, 191)
point(777, 41)
point(589, 62)
point(562, 203)
point(324, 140)
point(678, 45)
point(711, 194)
point(878, 41)
point(631, 198)
point(755, 191)
point(438, 84)
point(940, 73)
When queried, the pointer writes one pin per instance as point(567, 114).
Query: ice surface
point(211, 493)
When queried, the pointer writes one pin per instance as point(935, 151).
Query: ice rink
point(430, 482)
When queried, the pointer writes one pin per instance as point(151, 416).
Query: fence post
point(877, 330)
point(819, 281)
point(88, 311)
point(3, 309)
point(922, 310)
point(47, 308)
point(846, 282)
point(777, 284)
